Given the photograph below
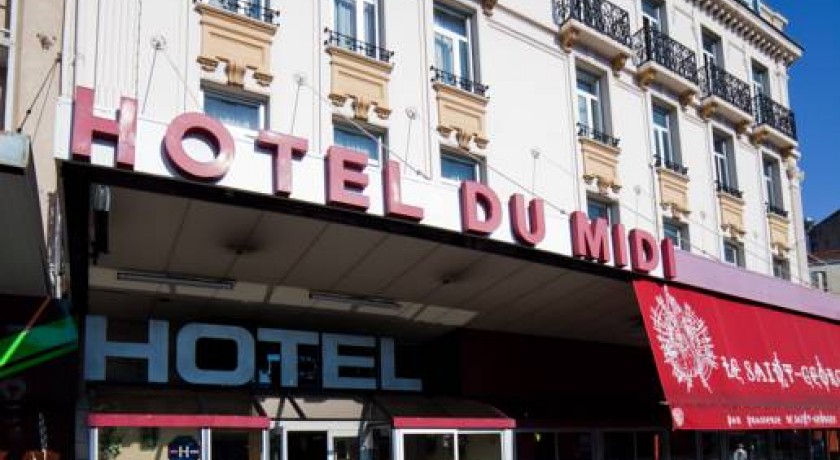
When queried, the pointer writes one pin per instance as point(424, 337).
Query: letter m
point(589, 238)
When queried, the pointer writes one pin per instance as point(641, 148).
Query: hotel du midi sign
point(347, 181)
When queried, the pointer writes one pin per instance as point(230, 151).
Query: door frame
point(333, 429)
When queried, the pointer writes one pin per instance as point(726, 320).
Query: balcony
point(600, 136)
point(776, 210)
point(671, 166)
point(673, 187)
point(442, 76)
point(663, 60)
point(727, 95)
point(360, 72)
point(462, 108)
point(600, 158)
point(357, 46)
point(774, 123)
point(728, 189)
point(253, 10)
point(236, 36)
point(597, 24)
point(777, 219)
point(731, 203)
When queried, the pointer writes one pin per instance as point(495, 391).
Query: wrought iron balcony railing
point(601, 15)
point(729, 189)
point(715, 81)
point(771, 113)
point(358, 46)
point(653, 45)
point(254, 10)
point(594, 134)
point(451, 79)
point(671, 165)
point(777, 210)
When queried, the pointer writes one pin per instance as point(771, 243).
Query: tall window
point(678, 234)
point(664, 137)
point(652, 15)
point(358, 19)
point(370, 142)
point(733, 252)
point(596, 208)
point(760, 80)
point(453, 48)
point(234, 110)
point(781, 268)
point(819, 280)
point(590, 109)
point(712, 53)
point(772, 184)
point(724, 163)
point(459, 167)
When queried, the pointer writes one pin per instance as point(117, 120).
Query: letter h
point(98, 349)
point(87, 127)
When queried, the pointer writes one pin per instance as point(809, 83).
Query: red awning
point(729, 365)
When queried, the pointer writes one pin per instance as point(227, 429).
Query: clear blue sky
point(815, 96)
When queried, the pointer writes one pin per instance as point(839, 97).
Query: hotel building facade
point(437, 230)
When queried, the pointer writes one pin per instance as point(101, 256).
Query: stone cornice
point(752, 28)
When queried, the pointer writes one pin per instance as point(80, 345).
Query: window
point(733, 253)
point(819, 280)
point(234, 110)
point(724, 164)
point(781, 268)
point(596, 208)
point(453, 48)
point(459, 167)
point(370, 142)
point(590, 111)
point(760, 82)
point(652, 15)
point(665, 152)
point(772, 185)
point(359, 20)
point(712, 54)
point(677, 233)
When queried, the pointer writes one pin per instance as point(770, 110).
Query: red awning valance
point(726, 364)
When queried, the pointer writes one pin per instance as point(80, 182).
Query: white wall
point(531, 107)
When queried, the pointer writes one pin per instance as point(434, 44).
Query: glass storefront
point(145, 443)
point(452, 445)
point(346, 440)
point(678, 445)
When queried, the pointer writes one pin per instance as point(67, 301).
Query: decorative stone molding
point(462, 113)
point(738, 17)
point(711, 105)
point(488, 5)
point(573, 31)
point(673, 190)
point(766, 133)
point(600, 165)
point(650, 72)
point(731, 215)
point(362, 79)
point(779, 240)
point(240, 42)
point(794, 174)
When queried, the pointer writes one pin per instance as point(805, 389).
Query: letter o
point(219, 136)
point(188, 369)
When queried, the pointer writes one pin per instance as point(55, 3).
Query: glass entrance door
point(329, 440)
point(306, 445)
